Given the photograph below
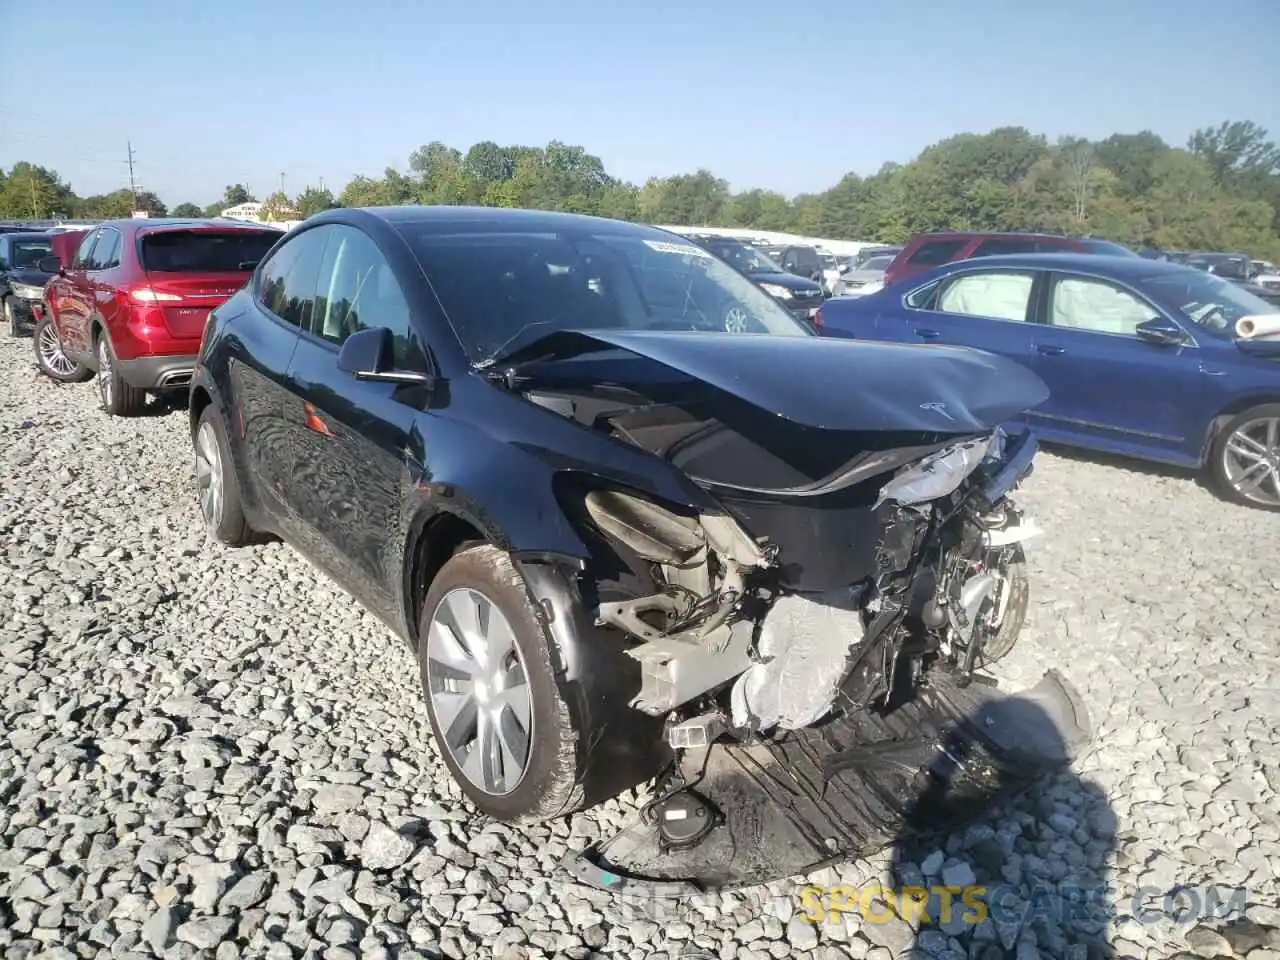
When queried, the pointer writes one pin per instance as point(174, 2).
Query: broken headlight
point(938, 475)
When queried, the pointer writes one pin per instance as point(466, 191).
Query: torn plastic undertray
point(844, 789)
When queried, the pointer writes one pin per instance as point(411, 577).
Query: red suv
point(924, 251)
point(131, 305)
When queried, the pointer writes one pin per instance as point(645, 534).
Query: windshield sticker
point(684, 249)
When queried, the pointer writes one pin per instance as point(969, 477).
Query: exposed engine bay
point(847, 576)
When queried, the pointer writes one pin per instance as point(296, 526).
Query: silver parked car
point(867, 278)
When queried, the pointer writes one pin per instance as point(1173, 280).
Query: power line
point(133, 185)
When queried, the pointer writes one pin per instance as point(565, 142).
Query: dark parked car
point(1142, 358)
point(21, 279)
point(924, 251)
point(627, 511)
point(1239, 268)
point(801, 260)
point(131, 305)
point(801, 297)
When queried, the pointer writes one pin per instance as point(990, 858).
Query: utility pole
point(35, 199)
point(133, 184)
point(322, 184)
point(282, 183)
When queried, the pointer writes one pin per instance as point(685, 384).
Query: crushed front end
point(822, 704)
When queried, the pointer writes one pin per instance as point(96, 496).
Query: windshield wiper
point(512, 344)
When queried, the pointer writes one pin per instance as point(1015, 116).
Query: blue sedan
point(1142, 357)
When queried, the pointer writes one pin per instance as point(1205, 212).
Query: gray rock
point(246, 892)
point(384, 848)
point(206, 932)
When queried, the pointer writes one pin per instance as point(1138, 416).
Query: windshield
point(1210, 302)
point(745, 258)
point(205, 251)
point(497, 286)
point(27, 253)
point(878, 263)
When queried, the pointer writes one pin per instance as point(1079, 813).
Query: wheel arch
point(1230, 411)
point(434, 537)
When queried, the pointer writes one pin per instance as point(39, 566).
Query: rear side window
point(205, 251)
point(1002, 295)
point(998, 246)
point(934, 253)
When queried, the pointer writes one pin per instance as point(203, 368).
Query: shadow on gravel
point(1029, 879)
point(162, 405)
point(1116, 461)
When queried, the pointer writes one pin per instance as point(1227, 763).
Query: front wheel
point(1008, 612)
point(50, 359)
point(496, 709)
point(11, 317)
point(1245, 458)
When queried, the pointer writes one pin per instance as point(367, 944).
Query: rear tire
point(217, 489)
point(478, 698)
point(1239, 448)
point(51, 360)
point(119, 397)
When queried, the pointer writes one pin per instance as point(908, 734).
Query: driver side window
point(356, 289)
point(84, 255)
point(1085, 303)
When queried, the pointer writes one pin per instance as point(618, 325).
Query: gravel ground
point(213, 753)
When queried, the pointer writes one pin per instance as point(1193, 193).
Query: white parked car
point(868, 278)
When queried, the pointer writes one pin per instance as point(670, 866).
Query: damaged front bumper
point(751, 813)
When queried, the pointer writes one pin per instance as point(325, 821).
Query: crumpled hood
point(828, 384)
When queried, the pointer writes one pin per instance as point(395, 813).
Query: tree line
point(1221, 191)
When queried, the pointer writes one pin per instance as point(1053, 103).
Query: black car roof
point(483, 216)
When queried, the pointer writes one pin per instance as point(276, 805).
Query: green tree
point(312, 201)
point(278, 207)
point(186, 210)
point(32, 192)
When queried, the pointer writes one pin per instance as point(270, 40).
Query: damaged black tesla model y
point(638, 522)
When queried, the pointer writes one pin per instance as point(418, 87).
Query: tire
point(1230, 459)
point(119, 398)
point(11, 318)
point(1000, 644)
point(545, 786)
point(50, 359)
point(217, 489)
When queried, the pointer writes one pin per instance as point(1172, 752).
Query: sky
point(784, 95)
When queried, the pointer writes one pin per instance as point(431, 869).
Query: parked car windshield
point(1208, 301)
point(877, 263)
point(497, 286)
point(27, 253)
point(205, 251)
point(746, 258)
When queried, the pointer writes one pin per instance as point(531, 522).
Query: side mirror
point(1161, 331)
point(367, 355)
point(49, 265)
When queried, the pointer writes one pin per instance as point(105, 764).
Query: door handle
point(1211, 371)
point(926, 334)
point(1050, 350)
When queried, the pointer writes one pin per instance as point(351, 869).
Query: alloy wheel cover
point(479, 691)
point(1251, 460)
